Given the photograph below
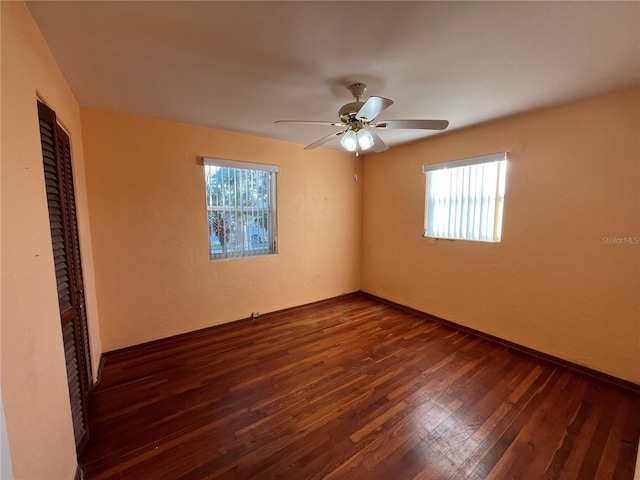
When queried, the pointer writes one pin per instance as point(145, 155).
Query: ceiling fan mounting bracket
point(357, 90)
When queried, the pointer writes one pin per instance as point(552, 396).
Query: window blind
point(464, 198)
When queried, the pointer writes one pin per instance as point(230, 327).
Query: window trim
point(500, 157)
point(273, 240)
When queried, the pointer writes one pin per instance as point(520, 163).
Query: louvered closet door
point(58, 174)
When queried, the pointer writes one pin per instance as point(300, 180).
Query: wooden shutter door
point(58, 174)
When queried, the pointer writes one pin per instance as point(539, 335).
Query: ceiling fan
point(357, 121)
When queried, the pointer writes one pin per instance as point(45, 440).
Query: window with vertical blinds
point(241, 208)
point(465, 198)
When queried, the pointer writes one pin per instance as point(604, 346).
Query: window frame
point(271, 209)
point(497, 198)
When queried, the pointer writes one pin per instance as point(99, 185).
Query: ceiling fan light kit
point(357, 116)
point(355, 141)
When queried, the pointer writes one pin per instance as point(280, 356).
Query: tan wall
point(552, 284)
point(34, 381)
point(147, 203)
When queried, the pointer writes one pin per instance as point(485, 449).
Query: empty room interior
point(320, 240)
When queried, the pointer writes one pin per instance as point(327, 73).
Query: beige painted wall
point(552, 284)
point(148, 214)
point(34, 381)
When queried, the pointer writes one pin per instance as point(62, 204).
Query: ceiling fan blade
point(311, 122)
point(372, 108)
point(416, 124)
point(325, 139)
point(378, 143)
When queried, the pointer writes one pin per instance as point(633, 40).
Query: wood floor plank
point(352, 388)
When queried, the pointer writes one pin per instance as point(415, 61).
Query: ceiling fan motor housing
point(348, 112)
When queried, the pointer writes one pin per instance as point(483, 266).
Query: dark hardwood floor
point(352, 388)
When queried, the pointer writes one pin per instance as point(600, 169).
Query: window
point(241, 208)
point(465, 198)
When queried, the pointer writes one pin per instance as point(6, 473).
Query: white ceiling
point(240, 65)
